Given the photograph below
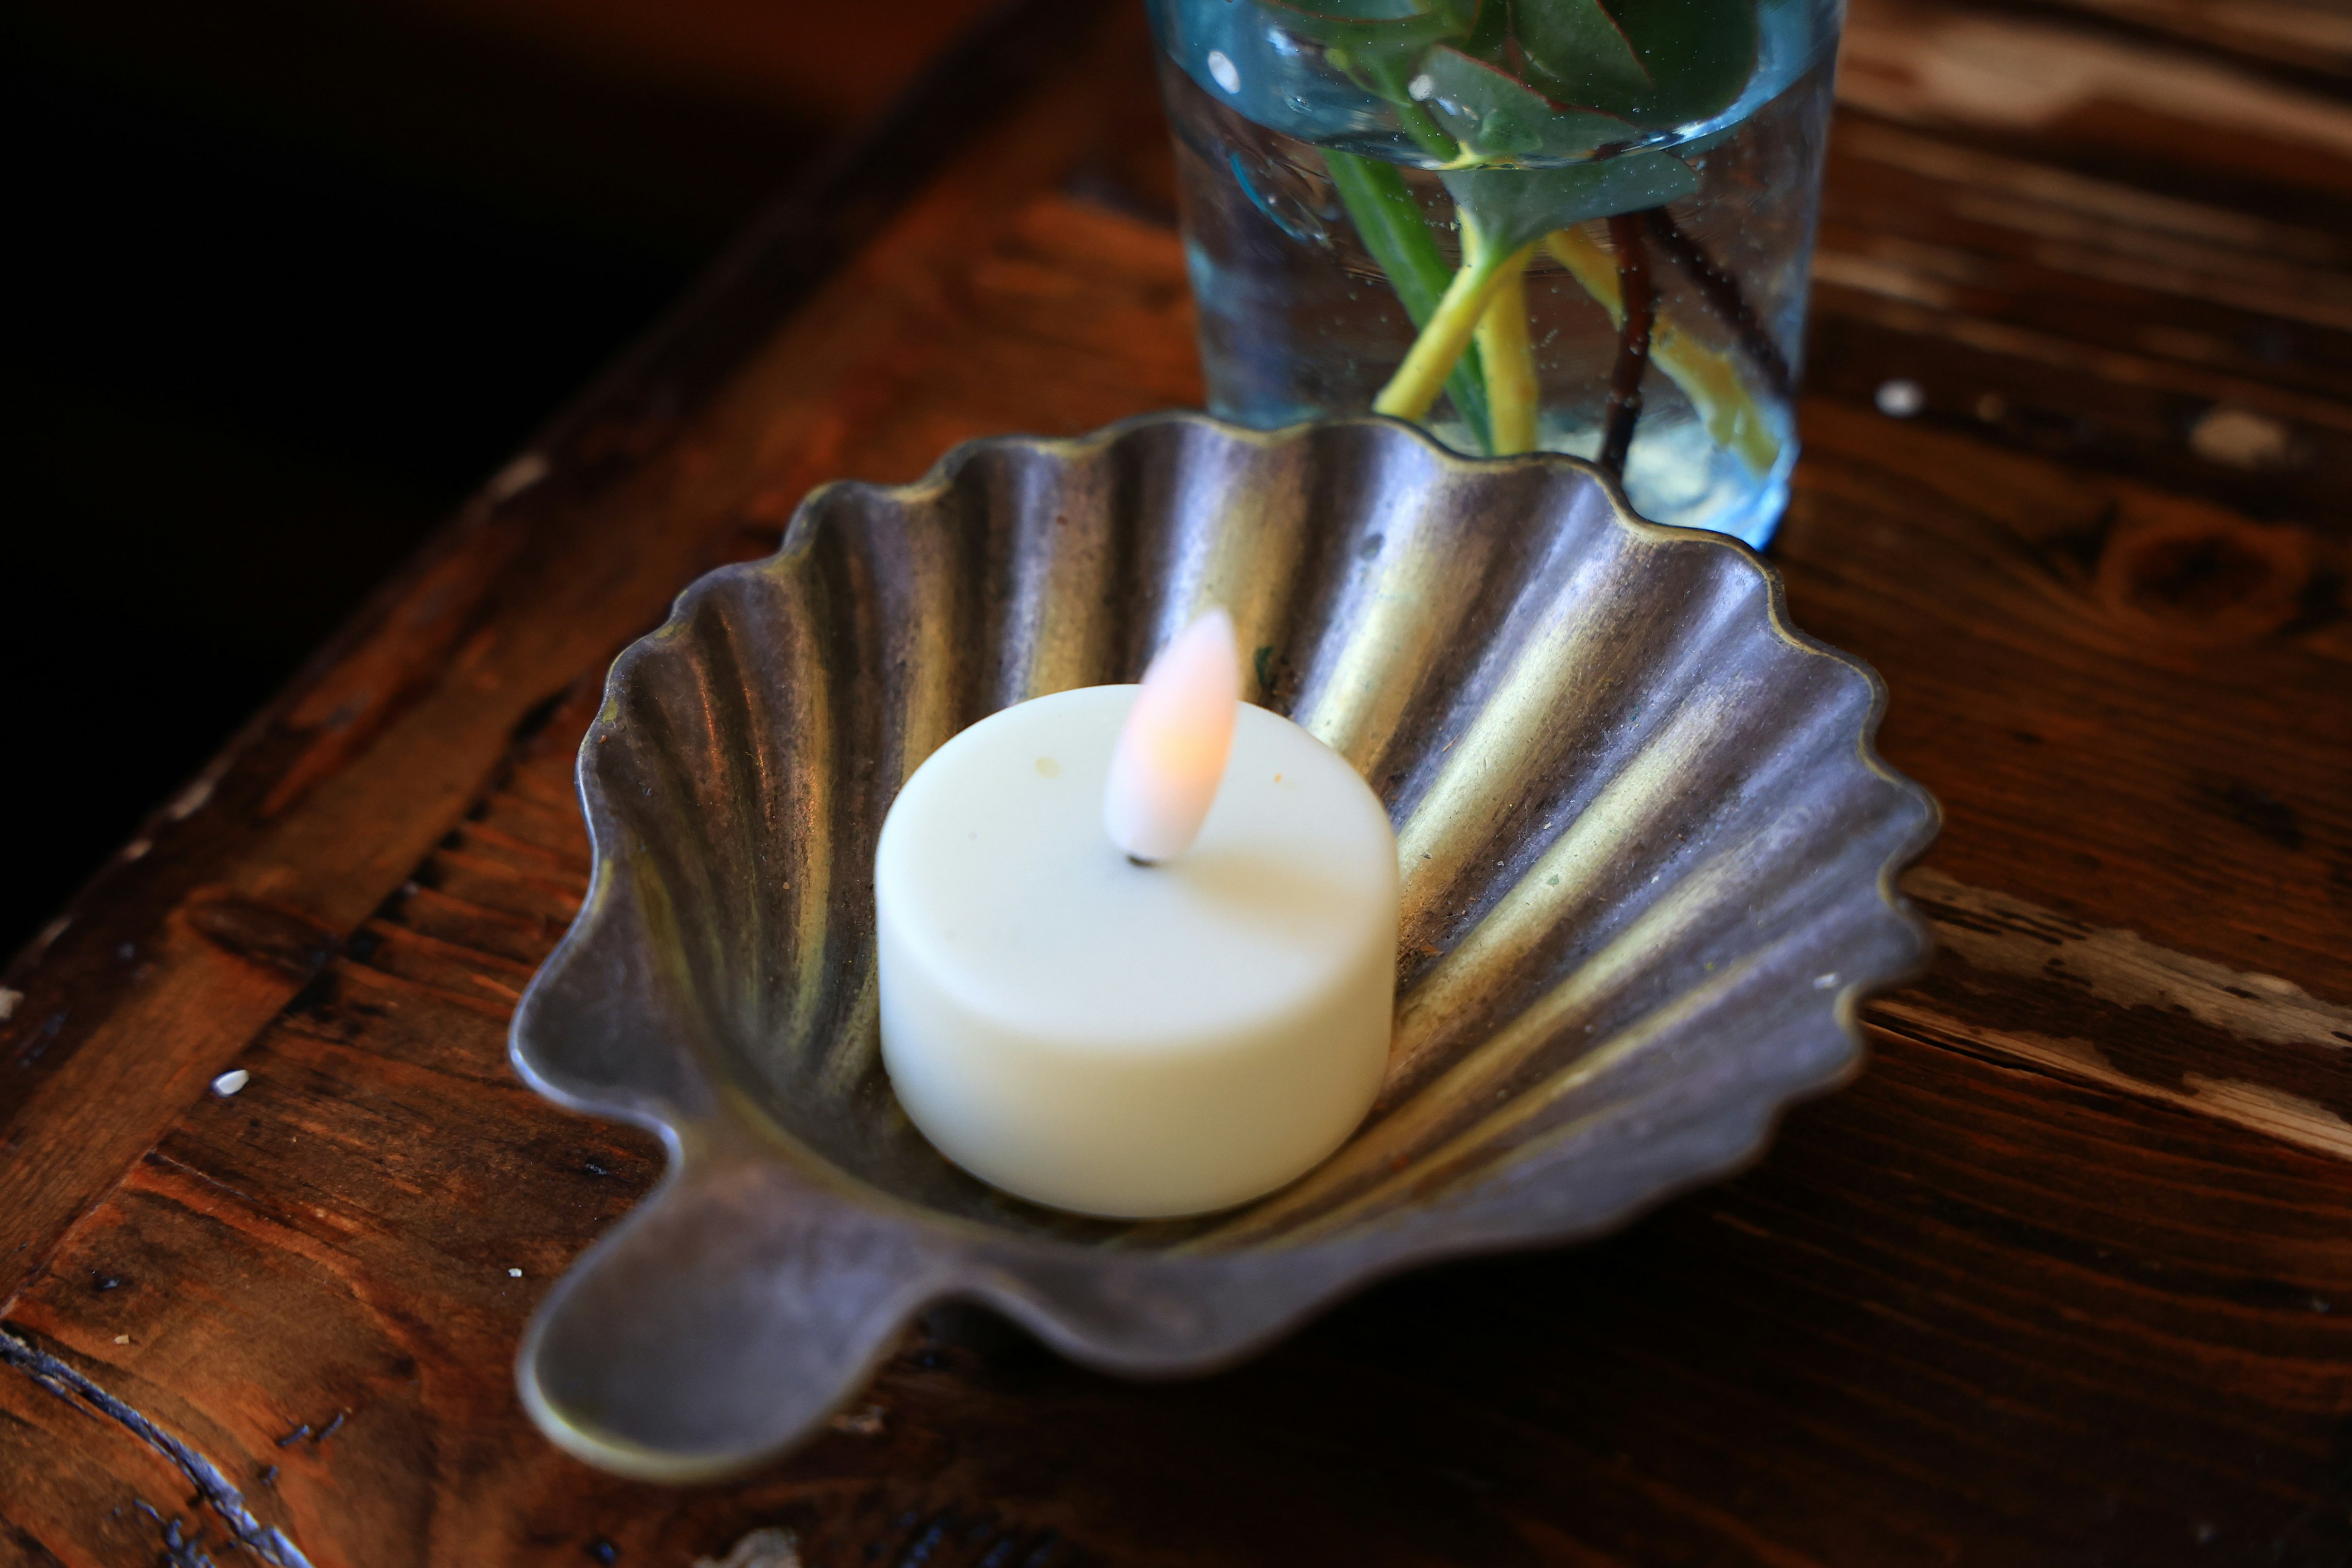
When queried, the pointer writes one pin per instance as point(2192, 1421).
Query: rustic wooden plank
point(569, 553)
point(1966, 243)
point(2175, 120)
point(1888, 1267)
point(105, 1494)
point(2311, 38)
point(2062, 1278)
point(1998, 1302)
point(2105, 741)
point(2115, 1008)
point(2041, 290)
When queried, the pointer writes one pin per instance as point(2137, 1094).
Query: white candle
point(1125, 1038)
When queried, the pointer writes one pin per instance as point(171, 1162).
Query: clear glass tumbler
point(1580, 225)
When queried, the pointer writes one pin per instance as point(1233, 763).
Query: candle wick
point(1140, 860)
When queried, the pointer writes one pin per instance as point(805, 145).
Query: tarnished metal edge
point(956, 1235)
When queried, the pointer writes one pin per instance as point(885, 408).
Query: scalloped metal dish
point(1648, 850)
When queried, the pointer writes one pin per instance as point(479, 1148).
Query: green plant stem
point(1448, 331)
point(1389, 222)
point(1389, 78)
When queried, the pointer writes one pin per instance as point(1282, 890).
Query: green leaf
point(1700, 53)
point(1389, 221)
point(1575, 49)
point(1498, 117)
point(1376, 29)
point(1659, 62)
point(1489, 35)
point(1512, 207)
point(1354, 11)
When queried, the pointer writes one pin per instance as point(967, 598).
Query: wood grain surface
point(2065, 1277)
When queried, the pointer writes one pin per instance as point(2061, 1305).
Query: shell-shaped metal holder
point(1648, 852)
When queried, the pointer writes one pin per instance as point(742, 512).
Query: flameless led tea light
point(1138, 943)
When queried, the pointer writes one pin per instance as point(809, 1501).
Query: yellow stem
point(1509, 357)
point(1418, 381)
point(1709, 377)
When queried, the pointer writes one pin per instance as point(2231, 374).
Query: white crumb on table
point(864, 1422)
point(769, 1548)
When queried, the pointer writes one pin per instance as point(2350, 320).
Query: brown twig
point(1724, 297)
point(1633, 340)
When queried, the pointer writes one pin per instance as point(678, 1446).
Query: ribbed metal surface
point(1648, 857)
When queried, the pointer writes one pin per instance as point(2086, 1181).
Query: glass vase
point(1578, 225)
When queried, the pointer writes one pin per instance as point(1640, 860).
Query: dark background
point(289, 281)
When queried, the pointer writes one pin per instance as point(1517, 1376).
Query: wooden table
point(2067, 1277)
